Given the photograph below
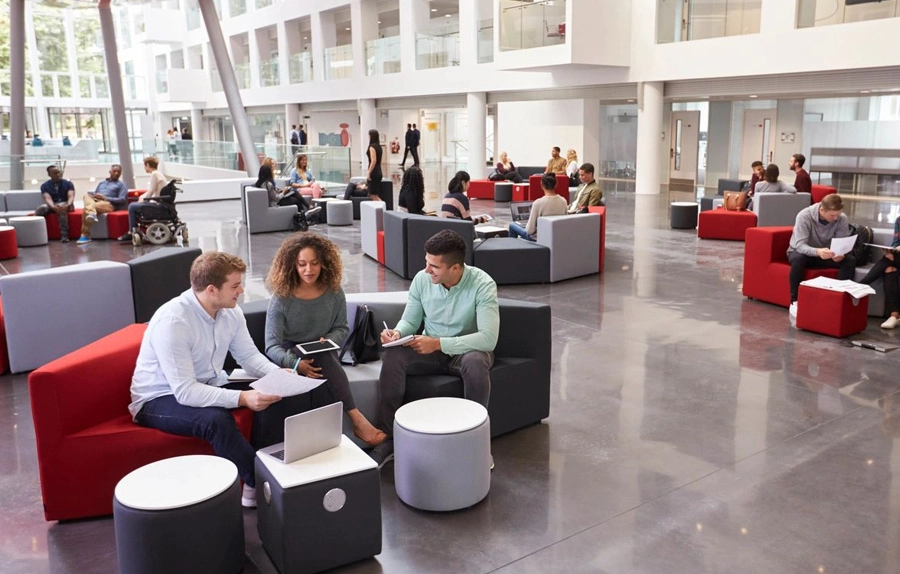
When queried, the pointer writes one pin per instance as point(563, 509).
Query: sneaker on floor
point(891, 323)
point(91, 217)
point(792, 313)
point(383, 453)
point(83, 240)
point(124, 237)
point(248, 497)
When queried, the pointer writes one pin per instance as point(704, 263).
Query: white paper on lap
point(285, 384)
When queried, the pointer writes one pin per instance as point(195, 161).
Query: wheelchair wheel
point(158, 233)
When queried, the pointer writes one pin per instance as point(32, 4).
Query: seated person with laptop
point(179, 386)
point(589, 193)
point(550, 204)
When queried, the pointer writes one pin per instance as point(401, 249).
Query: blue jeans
point(516, 230)
point(133, 210)
point(217, 426)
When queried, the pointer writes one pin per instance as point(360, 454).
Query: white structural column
point(116, 94)
point(477, 113)
point(367, 120)
point(650, 137)
point(284, 54)
point(414, 15)
point(229, 86)
point(323, 36)
point(17, 93)
point(468, 32)
point(197, 131)
point(363, 27)
point(254, 60)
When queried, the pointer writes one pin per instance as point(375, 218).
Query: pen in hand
point(386, 328)
point(297, 364)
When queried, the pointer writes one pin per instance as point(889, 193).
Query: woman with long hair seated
point(302, 179)
point(307, 305)
point(456, 203)
point(507, 170)
point(572, 168)
point(412, 192)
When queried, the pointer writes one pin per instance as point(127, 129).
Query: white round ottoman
point(180, 514)
point(340, 212)
point(442, 453)
point(31, 230)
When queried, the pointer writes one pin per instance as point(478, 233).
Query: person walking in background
point(409, 138)
point(417, 139)
point(302, 135)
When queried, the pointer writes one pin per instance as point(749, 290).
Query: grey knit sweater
point(810, 233)
point(303, 320)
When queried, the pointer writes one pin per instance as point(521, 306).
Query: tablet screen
point(317, 347)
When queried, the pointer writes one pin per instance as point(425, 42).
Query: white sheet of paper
point(241, 376)
point(285, 384)
point(399, 341)
point(888, 247)
point(843, 245)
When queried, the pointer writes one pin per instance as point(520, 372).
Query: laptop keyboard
point(279, 454)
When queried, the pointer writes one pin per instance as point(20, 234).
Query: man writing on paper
point(179, 386)
point(814, 229)
point(459, 307)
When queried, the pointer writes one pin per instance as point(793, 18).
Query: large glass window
point(683, 20)
point(525, 24)
point(811, 13)
point(618, 147)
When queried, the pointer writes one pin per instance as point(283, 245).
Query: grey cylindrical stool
point(31, 230)
point(180, 514)
point(442, 453)
point(503, 191)
point(340, 212)
point(683, 215)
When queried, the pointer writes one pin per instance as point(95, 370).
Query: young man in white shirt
point(179, 386)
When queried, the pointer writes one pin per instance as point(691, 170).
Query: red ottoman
point(381, 247)
point(8, 247)
point(520, 191)
point(721, 224)
point(74, 225)
point(832, 313)
point(117, 224)
point(481, 189)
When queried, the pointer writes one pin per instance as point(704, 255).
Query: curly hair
point(283, 277)
point(413, 181)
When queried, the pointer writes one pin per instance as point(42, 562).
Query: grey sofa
point(405, 235)
point(19, 202)
point(261, 218)
point(520, 377)
point(775, 209)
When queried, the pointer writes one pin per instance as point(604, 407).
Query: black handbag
point(362, 342)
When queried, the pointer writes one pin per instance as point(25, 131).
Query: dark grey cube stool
point(511, 261)
point(180, 514)
point(442, 453)
point(319, 512)
point(503, 191)
point(356, 201)
point(323, 203)
point(683, 215)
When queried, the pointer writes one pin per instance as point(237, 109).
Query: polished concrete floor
point(691, 430)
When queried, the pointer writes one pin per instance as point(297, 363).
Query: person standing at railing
point(302, 180)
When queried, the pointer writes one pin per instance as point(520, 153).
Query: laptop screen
point(519, 211)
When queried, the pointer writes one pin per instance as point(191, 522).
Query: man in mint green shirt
point(459, 307)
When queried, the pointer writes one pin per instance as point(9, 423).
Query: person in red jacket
point(801, 181)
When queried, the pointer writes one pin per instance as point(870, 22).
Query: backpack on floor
point(860, 250)
point(299, 222)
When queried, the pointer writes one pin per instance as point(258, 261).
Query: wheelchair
point(158, 221)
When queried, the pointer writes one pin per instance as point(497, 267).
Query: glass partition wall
point(526, 25)
point(685, 20)
point(811, 13)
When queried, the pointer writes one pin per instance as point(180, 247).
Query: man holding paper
point(811, 243)
point(459, 307)
point(179, 386)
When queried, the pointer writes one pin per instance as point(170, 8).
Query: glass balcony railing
point(300, 68)
point(485, 42)
point(242, 75)
point(329, 164)
point(237, 7)
point(437, 51)
point(383, 56)
point(263, 3)
point(268, 73)
point(700, 19)
point(812, 13)
point(532, 25)
point(339, 62)
point(162, 82)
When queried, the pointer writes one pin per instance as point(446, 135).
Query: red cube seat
point(722, 224)
point(481, 189)
point(832, 313)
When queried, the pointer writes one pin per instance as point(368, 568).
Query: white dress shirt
point(183, 352)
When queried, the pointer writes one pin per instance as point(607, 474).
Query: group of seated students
point(506, 169)
point(292, 194)
point(179, 386)
point(765, 178)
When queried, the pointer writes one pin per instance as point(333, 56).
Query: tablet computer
point(316, 347)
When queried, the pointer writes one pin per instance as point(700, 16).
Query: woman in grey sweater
point(308, 304)
point(771, 184)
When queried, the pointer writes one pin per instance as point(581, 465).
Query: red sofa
point(535, 191)
point(86, 440)
point(766, 267)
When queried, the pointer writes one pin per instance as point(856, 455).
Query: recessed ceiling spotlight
point(446, 15)
point(305, 37)
point(630, 101)
point(434, 9)
point(754, 96)
point(865, 91)
point(379, 21)
point(347, 29)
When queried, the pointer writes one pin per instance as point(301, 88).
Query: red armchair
point(86, 440)
point(535, 191)
point(766, 267)
point(820, 191)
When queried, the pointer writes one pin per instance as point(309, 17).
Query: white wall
point(528, 130)
point(330, 123)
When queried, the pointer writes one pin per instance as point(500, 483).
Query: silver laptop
point(309, 433)
point(520, 210)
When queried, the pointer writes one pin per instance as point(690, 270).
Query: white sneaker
point(891, 323)
point(792, 312)
point(248, 497)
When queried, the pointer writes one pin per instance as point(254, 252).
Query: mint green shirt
point(465, 317)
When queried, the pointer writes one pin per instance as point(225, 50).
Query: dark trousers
point(891, 282)
point(217, 426)
point(800, 263)
point(414, 150)
point(295, 199)
point(405, 153)
point(473, 367)
point(513, 176)
point(336, 386)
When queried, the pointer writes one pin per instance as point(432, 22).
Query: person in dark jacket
point(412, 191)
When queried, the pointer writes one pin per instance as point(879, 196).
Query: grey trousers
point(43, 210)
point(398, 362)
